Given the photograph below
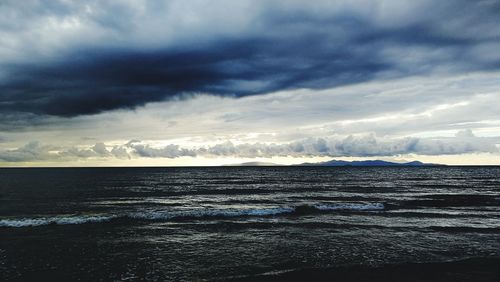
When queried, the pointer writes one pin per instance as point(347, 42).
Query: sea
point(230, 223)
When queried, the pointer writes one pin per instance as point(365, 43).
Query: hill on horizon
point(368, 163)
point(341, 163)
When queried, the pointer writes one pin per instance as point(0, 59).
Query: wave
point(60, 220)
point(194, 214)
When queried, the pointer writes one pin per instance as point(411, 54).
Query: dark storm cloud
point(90, 82)
point(284, 47)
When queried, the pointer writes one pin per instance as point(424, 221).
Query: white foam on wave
point(62, 220)
point(350, 207)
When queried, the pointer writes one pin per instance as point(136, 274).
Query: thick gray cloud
point(32, 151)
point(356, 146)
point(351, 146)
point(68, 58)
point(169, 151)
point(35, 152)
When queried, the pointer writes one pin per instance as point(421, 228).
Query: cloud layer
point(352, 146)
point(247, 79)
point(66, 58)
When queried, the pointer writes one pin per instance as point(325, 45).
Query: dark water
point(229, 222)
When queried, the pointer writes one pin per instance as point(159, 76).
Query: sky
point(188, 83)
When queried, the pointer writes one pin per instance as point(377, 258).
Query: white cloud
point(335, 146)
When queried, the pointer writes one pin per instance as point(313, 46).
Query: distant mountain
point(254, 164)
point(367, 163)
point(342, 163)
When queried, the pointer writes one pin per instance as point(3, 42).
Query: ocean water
point(222, 223)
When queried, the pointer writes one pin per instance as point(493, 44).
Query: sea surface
point(223, 223)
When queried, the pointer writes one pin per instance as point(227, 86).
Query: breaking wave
point(61, 220)
point(193, 214)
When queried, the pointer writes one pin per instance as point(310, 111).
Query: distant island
point(343, 163)
point(368, 163)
